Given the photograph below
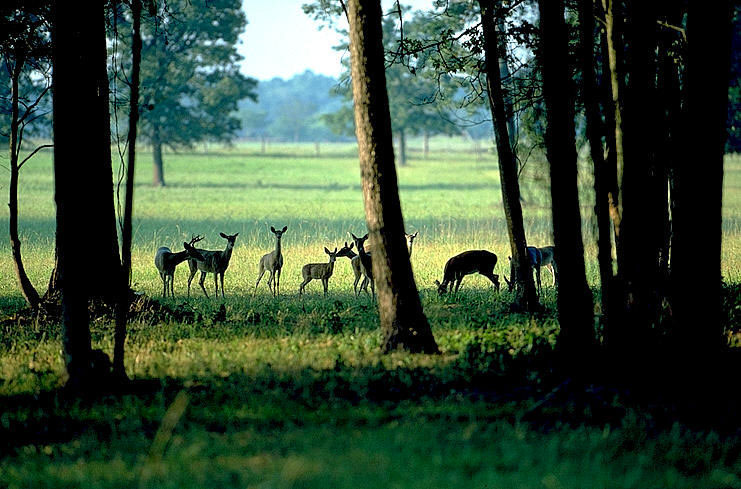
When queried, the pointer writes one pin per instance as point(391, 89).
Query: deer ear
point(223, 235)
point(236, 234)
point(284, 229)
point(186, 245)
point(437, 282)
point(365, 237)
point(351, 245)
point(415, 234)
point(353, 236)
point(335, 250)
point(272, 228)
point(326, 250)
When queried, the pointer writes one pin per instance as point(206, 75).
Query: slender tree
point(593, 121)
point(521, 271)
point(403, 322)
point(574, 296)
point(79, 94)
point(123, 301)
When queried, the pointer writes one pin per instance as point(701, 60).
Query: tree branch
point(20, 165)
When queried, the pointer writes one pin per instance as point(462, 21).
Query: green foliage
point(190, 79)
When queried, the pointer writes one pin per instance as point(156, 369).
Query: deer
point(410, 241)
point(272, 262)
point(166, 261)
point(215, 262)
point(366, 263)
point(357, 267)
point(538, 257)
point(319, 271)
point(466, 263)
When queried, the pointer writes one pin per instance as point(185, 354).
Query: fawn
point(319, 271)
point(466, 263)
point(272, 262)
point(166, 261)
point(215, 262)
point(365, 261)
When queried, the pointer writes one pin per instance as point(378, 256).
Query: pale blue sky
point(282, 41)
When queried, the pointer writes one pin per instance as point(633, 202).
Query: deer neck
point(177, 258)
point(331, 267)
point(351, 254)
point(277, 248)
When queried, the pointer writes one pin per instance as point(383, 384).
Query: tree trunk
point(574, 297)
point(696, 247)
point(520, 272)
point(593, 119)
point(77, 46)
point(158, 179)
point(123, 301)
point(402, 148)
point(504, 74)
point(614, 119)
point(24, 284)
point(403, 322)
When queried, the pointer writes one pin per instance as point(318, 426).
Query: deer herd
point(217, 262)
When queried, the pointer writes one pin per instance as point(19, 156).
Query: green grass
point(294, 392)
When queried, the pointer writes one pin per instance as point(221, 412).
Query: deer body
point(540, 257)
point(466, 263)
point(215, 262)
point(166, 261)
point(365, 262)
point(273, 263)
point(357, 267)
point(319, 271)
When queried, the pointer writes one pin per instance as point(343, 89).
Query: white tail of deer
point(319, 271)
point(215, 262)
point(166, 261)
point(273, 263)
point(466, 263)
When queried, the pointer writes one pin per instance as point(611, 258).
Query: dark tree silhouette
point(403, 322)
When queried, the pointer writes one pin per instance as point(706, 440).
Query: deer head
point(229, 238)
point(332, 254)
point(344, 251)
point(278, 234)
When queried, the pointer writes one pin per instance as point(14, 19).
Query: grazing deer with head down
point(319, 271)
point(466, 263)
point(166, 261)
point(215, 262)
point(538, 257)
point(272, 262)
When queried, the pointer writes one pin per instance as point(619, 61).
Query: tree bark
point(526, 297)
point(696, 246)
point(119, 369)
point(158, 178)
point(593, 120)
point(77, 45)
point(27, 289)
point(403, 322)
point(574, 297)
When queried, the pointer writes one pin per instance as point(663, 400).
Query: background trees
point(190, 82)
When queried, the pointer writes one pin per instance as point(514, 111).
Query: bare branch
point(20, 165)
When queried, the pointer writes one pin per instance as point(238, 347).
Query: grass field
point(293, 392)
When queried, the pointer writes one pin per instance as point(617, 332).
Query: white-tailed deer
point(466, 263)
point(319, 271)
point(215, 262)
point(273, 263)
point(357, 267)
point(166, 261)
point(538, 257)
point(410, 241)
point(365, 261)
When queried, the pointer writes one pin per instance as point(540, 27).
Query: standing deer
point(166, 261)
point(466, 263)
point(410, 241)
point(215, 262)
point(319, 271)
point(273, 263)
point(365, 261)
point(538, 257)
point(357, 267)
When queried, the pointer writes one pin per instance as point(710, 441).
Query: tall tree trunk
point(521, 272)
point(403, 322)
point(504, 74)
point(123, 301)
point(158, 178)
point(614, 118)
point(593, 118)
point(574, 297)
point(24, 284)
point(696, 245)
point(77, 45)
point(402, 148)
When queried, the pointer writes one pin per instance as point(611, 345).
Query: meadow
point(252, 391)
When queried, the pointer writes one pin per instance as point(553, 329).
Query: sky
point(282, 41)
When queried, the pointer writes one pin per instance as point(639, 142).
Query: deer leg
point(200, 282)
point(193, 271)
point(259, 277)
point(303, 285)
point(164, 285)
point(457, 285)
point(325, 283)
point(355, 284)
point(553, 274)
point(277, 282)
point(221, 275)
point(216, 285)
point(172, 285)
point(270, 282)
point(537, 277)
